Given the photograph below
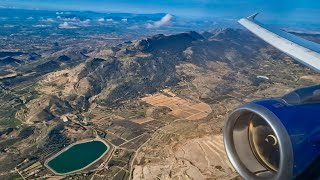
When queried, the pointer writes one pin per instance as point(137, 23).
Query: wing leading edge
point(304, 51)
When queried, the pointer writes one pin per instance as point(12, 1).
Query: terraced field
point(181, 108)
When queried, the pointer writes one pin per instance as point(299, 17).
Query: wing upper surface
point(304, 51)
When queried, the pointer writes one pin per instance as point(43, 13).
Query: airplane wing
point(304, 51)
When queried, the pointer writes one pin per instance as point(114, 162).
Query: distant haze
point(185, 7)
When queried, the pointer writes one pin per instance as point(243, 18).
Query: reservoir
point(77, 156)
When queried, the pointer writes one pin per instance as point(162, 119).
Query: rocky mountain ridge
point(145, 66)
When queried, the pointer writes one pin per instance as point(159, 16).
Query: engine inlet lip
point(286, 152)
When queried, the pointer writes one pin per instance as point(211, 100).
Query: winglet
point(304, 51)
point(252, 16)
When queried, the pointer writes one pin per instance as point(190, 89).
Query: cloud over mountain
point(163, 21)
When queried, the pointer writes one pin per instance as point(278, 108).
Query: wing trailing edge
point(304, 51)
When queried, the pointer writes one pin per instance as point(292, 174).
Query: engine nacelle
point(275, 138)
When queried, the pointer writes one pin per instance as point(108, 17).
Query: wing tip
point(250, 18)
point(253, 16)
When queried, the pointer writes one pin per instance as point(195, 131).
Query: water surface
point(77, 156)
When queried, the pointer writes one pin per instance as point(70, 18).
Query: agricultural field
point(181, 108)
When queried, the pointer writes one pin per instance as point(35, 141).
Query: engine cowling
point(276, 138)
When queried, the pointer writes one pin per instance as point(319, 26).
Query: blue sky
point(307, 10)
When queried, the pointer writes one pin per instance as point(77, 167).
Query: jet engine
point(276, 138)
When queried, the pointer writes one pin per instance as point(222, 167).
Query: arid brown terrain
point(160, 103)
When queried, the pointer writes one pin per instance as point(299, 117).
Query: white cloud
point(58, 13)
point(67, 19)
point(164, 20)
point(109, 20)
point(101, 19)
point(49, 20)
point(85, 22)
point(40, 26)
point(124, 20)
point(30, 18)
point(71, 19)
point(66, 25)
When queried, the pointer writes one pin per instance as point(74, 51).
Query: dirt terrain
point(199, 158)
